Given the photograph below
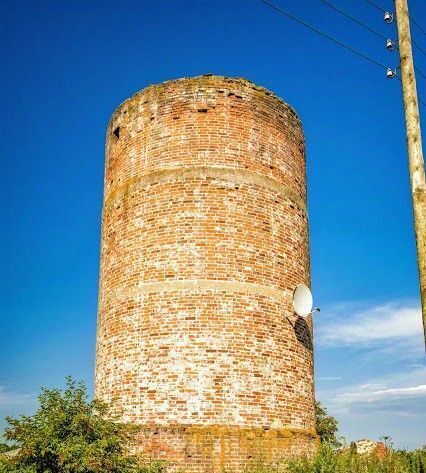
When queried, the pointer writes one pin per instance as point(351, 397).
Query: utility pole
point(414, 143)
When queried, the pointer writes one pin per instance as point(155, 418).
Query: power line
point(364, 25)
point(367, 27)
point(326, 2)
point(375, 6)
point(340, 43)
point(419, 47)
point(420, 72)
point(376, 32)
point(418, 26)
point(411, 18)
point(325, 35)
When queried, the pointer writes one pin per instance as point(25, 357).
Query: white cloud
point(389, 327)
point(368, 386)
point(9, 398)
point(388, 393)
point(397, 393)
point(381, 347)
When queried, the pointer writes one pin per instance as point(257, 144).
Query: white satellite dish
point(302, 300)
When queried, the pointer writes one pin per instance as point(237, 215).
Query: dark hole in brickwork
point(116, 132)
point(202, 110)
point(303, 333)
point(176, 118)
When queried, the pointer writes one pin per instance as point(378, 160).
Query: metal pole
point(414, 144)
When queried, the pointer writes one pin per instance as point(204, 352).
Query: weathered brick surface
point(204, 237)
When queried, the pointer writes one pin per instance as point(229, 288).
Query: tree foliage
point(5, 447)
point(327, 426)
point(69, 434)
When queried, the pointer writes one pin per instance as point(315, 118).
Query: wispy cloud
point(379, 350)
point(401, 394)
point(389, 327)
point(388, 393)
point(10, 398)
point(369, 386)
point(392, 404)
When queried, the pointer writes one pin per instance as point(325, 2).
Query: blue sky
point(67, 64)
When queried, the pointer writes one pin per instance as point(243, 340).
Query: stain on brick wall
point(204, 238)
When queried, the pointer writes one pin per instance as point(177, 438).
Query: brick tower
point(204, 238)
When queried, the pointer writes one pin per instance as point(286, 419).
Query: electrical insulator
point(390, 45)
point(390, 73)
point(388, 17)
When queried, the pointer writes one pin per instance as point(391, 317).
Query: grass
point(329, 461)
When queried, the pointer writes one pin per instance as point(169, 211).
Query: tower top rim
point(207, 79)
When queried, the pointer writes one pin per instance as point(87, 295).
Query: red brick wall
point(204, 237)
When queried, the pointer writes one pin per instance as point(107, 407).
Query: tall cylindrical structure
point(204, 238)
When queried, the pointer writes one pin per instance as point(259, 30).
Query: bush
point(68, 434)
point(326, 426)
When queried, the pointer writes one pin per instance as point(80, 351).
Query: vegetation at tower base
point(70, 434)
point(326, 425)
point(328, 460)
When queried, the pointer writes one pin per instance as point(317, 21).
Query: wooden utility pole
point(414, 143)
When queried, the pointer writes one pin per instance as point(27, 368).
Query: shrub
point(69, 434)
point(326, 426)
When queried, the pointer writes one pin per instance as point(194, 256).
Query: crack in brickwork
point(204, 238)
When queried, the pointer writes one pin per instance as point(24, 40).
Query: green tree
point(4, 447)
point(69, 434)
point(327, 426)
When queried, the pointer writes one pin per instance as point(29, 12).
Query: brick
point(204, 238)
